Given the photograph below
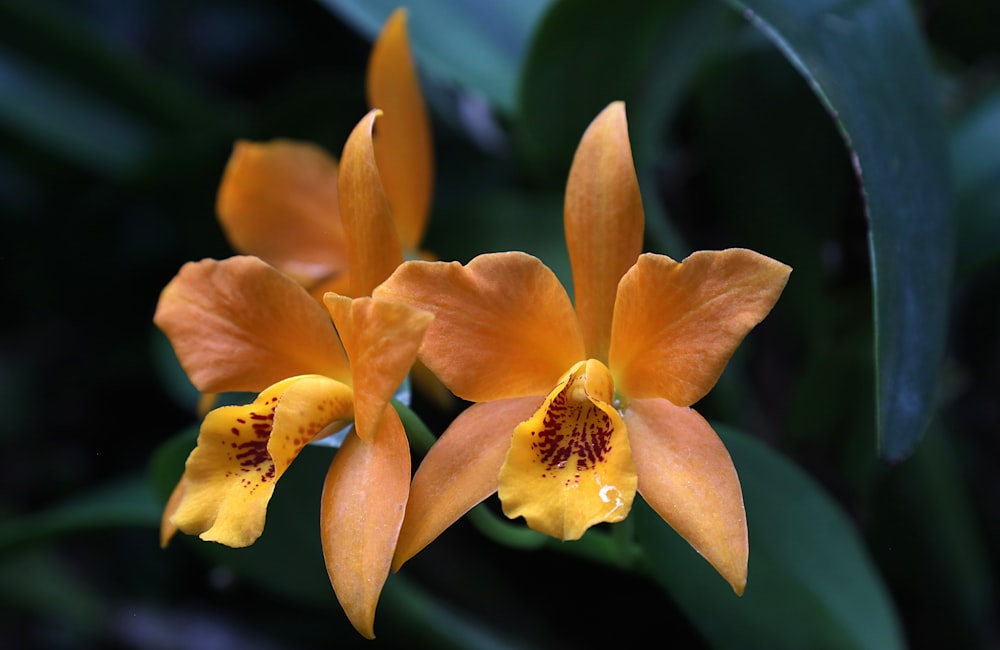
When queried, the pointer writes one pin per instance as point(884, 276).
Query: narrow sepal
point(364, 499)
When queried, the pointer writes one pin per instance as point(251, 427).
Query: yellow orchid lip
point(244, 450)
point(569, 465)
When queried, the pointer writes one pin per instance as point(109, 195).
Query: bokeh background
point(116, 120)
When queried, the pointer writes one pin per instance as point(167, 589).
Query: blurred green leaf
point(811, 582)
point(925, 509)
point(476, 45)
point(418, 615)
point(776, 170)
point(60, 38)
point(69, 90)
point(528, 221)
point(37, 581)
point(976, 161)
point(125, 502)
point(167, 462)
point(868, 65)
point(70, 121)
point(171, 375)
point(584, 56)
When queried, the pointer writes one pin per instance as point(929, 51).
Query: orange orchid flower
point(578, 408)
point(242, 325)
point(278, 199)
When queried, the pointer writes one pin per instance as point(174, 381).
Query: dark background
point(99, 208)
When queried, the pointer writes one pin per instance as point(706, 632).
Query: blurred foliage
point(750, 122)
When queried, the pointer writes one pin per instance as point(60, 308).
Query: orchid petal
point(364, 498)
point(381, 340)
point(278, 201)
point(403, 138)
point(240, 325)
point(243, 450)
point(688, 478)
point(503, 325)
point(569, 465)
point(676, 325)
point(167, 528)
point(459, 471)
point(373, 246)
point(603, 221)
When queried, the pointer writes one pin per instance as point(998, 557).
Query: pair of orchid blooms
point(576, 405)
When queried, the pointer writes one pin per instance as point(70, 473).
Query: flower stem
point(503, 531)
point(603, 548)
point(419, 435)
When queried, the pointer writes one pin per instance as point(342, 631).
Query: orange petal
point(364, 498)
point(603, 221)
point(278, 201)
point(677, 324)
point(688, 478)
point(381, 339)
point(240, 325)
point(403, 139)
point(569, 465)
point(503, 325)
point(167, 528)
point(459, 471)
point(373, 246)
point(243, 450)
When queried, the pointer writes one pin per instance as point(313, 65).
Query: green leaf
point(69, 121)
point(976, 159)
point(126, 502)
point(567, 80)
point(528, 221)
point(811, 582)
point(419, 619)
point(168, 369)
point(68, 89)
point(868, 65)
point(66, 40)
point(926, 526)
point(167, 463)
point(472, 44)
point(583, 57)
point(38, 581)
